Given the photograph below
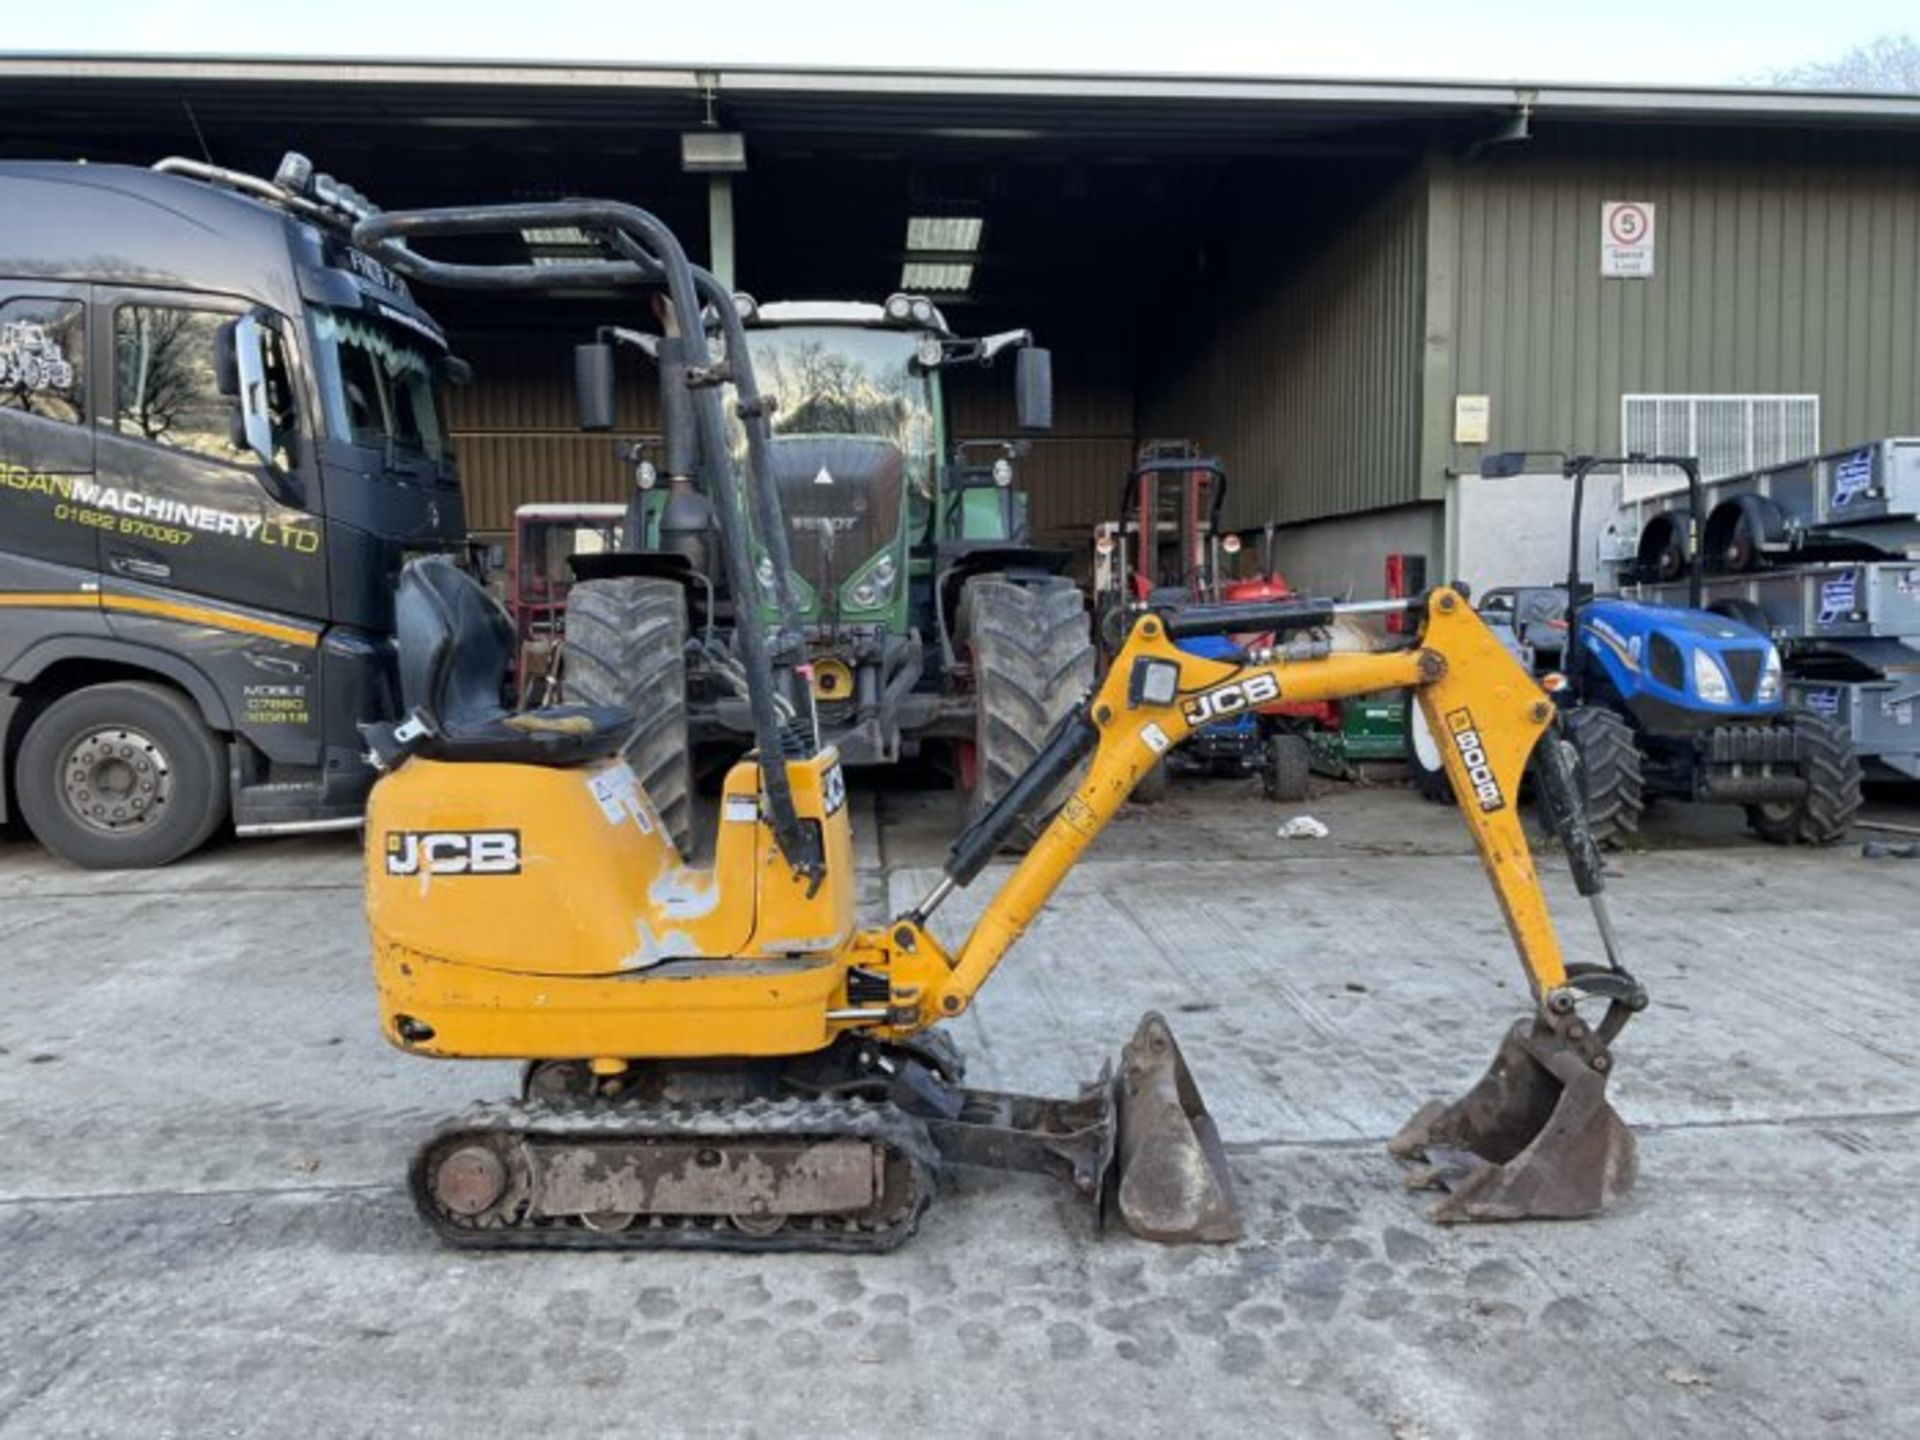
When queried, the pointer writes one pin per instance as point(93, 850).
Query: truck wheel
point(1607, 765)
point(124, 776)
point(1032, 663)
point(1833, 788)
point(1424, 767)
point(626, 644)
point(1289, 766)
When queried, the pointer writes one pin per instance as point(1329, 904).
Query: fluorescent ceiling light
point(944, 232)
point(556, 235)
point(476, 122)
point(947, 278)
point(983, 132)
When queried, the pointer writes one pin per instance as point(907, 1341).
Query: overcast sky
point(1693, 41)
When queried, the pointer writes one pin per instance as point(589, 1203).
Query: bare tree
point(1889, 64)
point(161, 365)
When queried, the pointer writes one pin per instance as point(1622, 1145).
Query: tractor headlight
point(765, 571)
point(1003, 472)
point(1769, 678)
point(1709, 680)
point(875, 587)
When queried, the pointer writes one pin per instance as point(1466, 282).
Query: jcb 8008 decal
point(453, 852)
point(1230, 699)
point(1466, 739)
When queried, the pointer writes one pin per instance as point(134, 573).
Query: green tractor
point(932, 622)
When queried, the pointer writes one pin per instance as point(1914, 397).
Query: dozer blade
point(1170, 1180)
point(1534, 1140)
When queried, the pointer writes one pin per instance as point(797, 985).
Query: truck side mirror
point(246, 346)
point(226, 365)
point(1503, 465)
point(1033, 388)
point(593, 384)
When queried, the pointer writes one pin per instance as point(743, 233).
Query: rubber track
point(1033, 661)
point(613, 1120)
point(1609, 770)
point(626, 645)
point(1832, 772)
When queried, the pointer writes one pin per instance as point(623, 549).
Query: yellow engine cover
point(536, 911)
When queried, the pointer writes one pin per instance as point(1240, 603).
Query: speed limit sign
point(1626, 239)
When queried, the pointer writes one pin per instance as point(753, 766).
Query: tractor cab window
point(853, 437)
point(380, 384)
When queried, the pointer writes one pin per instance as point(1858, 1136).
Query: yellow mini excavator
point(726, 1057)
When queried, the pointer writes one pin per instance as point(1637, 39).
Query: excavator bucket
point(1170, 1180)
point(1535, 1139)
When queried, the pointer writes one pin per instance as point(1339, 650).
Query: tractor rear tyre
point(1288, 767)
point(1833, 788)
point(626, 644)
point(1032, 663)
point(1607, 766)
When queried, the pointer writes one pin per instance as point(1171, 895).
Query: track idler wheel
point(1536, 1139)
point(1170, 1180)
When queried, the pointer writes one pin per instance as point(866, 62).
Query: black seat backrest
point(455, 642)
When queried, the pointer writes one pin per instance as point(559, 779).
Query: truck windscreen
point(379, 384)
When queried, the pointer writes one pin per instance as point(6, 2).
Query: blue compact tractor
point(1665, 702)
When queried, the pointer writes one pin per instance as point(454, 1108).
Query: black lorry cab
point(220, 437)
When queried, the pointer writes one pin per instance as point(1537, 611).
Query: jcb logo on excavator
point(1224, 700)
point(453, 852)
point(1466, 739)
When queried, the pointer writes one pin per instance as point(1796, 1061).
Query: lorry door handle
point(138, 568)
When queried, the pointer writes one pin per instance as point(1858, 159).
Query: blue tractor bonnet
point(1653, 656)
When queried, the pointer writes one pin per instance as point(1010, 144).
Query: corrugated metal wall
point(516, 441)
point(1784, 263)
point(514, 430)
point(1308, 380)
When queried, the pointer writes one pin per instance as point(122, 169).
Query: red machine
point(1167, 548)
point(1270, 584)
point(545, 539)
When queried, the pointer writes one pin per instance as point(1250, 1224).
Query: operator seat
point(455, 642)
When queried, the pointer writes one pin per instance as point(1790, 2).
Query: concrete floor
point(203, 1230)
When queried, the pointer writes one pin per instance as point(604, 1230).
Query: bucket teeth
point(1535, 1139)
point(1171, 1182)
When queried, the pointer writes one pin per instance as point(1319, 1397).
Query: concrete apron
point(204, 1226)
